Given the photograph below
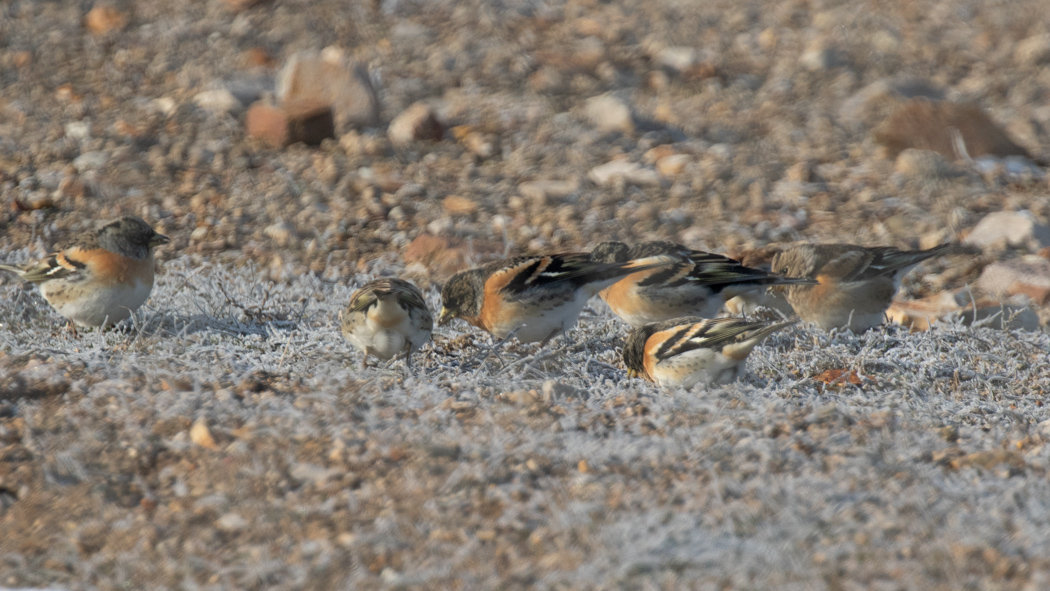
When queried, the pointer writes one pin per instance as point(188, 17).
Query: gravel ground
point(227, 440)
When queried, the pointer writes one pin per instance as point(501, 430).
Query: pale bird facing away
point(103, 277)
point(689, 351)
point(855, 284)
point(387, 317)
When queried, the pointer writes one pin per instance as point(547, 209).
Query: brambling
point(747, 303)
point(691, 350)
point(855, 284)
point(103, 277)
point(696, 284)
point(387, 317)
point(534, 298)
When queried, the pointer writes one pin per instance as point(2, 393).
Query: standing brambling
point(687, 351)
point(103, 277)
point(387, 317)
point(855, 284)
point(534, 298)
point(696, 284)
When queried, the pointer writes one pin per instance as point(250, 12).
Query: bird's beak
point(631, 374)
point(445, 317)
point(158, 240)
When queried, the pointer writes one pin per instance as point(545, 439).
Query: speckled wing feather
point(696, 333)
point(408, 295)
point(523, 274)
point(861, 264)
point(56, 266)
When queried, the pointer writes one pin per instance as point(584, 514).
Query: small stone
point(103, 19)
point(199, 234)
point(1002, 229)
point(1029, 276)
point(201, 435)
point(631, 173)
point(90, 161)
point(821, 56)
point(680, 59)
point(280, 232)
point(479, 143)
point(954, 130)
point(541, 191)
point(219, 101)
point(416, 123)
point(309, 122)
point(673, 165)
point(21, 59)
point(78, 130)
point(609, 114)
point(257, 57)
point(1033, 50)
point(231, 523)
point(332, 80)
point(312, 473)
point(456, 205)
point(924, 164)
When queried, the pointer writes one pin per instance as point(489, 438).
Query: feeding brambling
point(534, 298)
point(103, 277)
point(745, 304)
point(696, 284)
point(687, 351)
point(387, 317)
point(855, 284)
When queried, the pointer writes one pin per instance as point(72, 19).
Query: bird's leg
point(72, 327)
point(364, 362)
point(550, 337)
point(494, 349)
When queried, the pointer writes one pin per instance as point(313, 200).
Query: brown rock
point(333, 80)
point(954, 130)
point(416, 123)
point(1001, 229)
point(456, 205)
point(304, 121)
point(257, 57)
point(441, 255)
point(21, 59)
point(103, 19)
point(478, 142)
point(1033, 50)
point(201, 435)
point(1029, 276)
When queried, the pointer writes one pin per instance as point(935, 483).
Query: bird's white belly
point(543, 323)
point(92, 306)
point(700, 366)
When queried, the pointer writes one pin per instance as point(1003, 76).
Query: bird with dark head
point(535, 298)
point(103, 277)
point(689, 351)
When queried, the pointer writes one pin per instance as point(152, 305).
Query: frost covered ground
point(228, 440)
